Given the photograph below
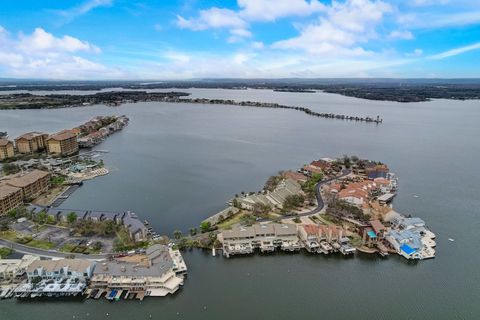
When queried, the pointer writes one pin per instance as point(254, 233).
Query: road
point(48, 253)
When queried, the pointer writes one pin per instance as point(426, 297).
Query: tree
point(272, 182)
point(293, 201)
point(177, 234)
point(41, 217)
point(193, 231)
point(10, 168)
point(261, 209)
point(71, 217)
point(205, 226)
point(51, 219)
point(97, 245)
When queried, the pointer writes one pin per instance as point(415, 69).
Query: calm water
point(176, 164)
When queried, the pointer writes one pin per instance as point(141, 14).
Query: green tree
point(51, 219)
point(293, 201)
point(177, 234)
point(205, 226)
point(193, 231)
point(71, 217)
point(10, 168)
point(41, 217)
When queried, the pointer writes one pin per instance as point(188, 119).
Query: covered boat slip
point(116, 295)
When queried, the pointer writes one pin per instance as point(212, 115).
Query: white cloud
point(270, 10)
point(415, 53)
point(40, 40)
point(423, 3)
point(402, 35)
point(340, 30)
point(455, 52)
point(41, 54)
point(212, 18)
point(84, 8)
point(249, 10)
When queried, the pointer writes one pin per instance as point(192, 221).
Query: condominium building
point(81, 269)
point(6, 149)
point(32, 184)
point(62, 143)
point(10, 198)
point(152, 274)
point(266, 237)
point(15, 268)
point(31, 142)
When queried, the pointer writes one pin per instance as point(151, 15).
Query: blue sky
point(168, 39)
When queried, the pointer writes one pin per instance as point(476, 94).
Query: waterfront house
point(266, 237)
point(31, 142)
point(377, 171)
point(410, 237)
point(136, 228)
point(6, 149)
point(11, 269)
point(238, 240)
point(308, 234)
point(80, 269)
point(62, 143)
point(296, 176)
point(152, 274)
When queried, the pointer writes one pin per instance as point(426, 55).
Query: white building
point(81, 269)
point(15, 268)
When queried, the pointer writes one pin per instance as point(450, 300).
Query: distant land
point(400, 90)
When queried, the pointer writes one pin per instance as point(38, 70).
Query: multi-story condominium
point(81, 269)
point(6, 149)
point(10, 198)
point(62, 143)
point(15, 268)
point(266, 237)
point(31, 142)
point(32, 184)
point(152, 275)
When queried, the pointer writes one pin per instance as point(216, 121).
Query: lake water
point(176, 164)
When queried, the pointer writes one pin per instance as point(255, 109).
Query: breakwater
point(306, 110)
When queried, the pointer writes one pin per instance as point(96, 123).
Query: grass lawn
point(237, 218)
point(67, 247)
point(9, 235)
point(41, 244)
point(5, 252)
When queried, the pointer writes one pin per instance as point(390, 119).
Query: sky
point(191, 39)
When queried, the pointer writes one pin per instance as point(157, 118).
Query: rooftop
point(77, 265)
point(6, 190)
point(27, 179)
point(4, 142)
point(62, 135)
point(31, 135)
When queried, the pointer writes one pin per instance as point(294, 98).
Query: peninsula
point(330, 205)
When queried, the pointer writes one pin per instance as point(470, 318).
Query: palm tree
point(177, 234)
